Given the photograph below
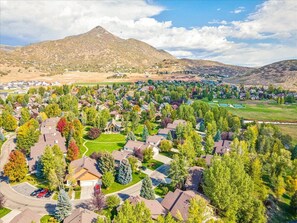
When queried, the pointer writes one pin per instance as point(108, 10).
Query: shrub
point(94, 133)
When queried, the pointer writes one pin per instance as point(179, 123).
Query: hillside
point(96, 50)
point(200, 67)
point(283, 73)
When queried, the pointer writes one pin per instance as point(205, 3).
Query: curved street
point(17, 201)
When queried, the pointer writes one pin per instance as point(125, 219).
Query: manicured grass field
point(291, 130)
point(105, 142)
point(154, 164)
point(267, 110)
point(117, 187)
point(4, 211)
point(168, 154)
point(138, 132)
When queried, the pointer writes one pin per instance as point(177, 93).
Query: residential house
point(120, 155)
point(178, 202)
point(154, 140)
point(207, 159)
point(26, 216)
point(164, 132)
point(81, 215)
point(194, 179)
point(138, 147)
point(49, 137)
point(154, 206)
point(222, 146)
point(113, 126)
point(85, 172)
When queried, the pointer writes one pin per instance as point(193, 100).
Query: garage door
point(87, 183)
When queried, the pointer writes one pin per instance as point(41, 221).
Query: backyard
point(105, 142)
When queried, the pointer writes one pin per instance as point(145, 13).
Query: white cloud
point(238, 10)
point(273, 20)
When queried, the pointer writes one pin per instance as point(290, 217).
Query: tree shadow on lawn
point(50, 208)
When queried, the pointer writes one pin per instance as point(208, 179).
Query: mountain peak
point(98, 30)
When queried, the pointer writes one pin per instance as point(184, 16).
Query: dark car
point(35, 192)
point(42, 193)
point(48, 194)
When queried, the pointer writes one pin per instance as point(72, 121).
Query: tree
point(178, 171)
point(237, 203)
point(209, 144)
point(148, 154)
point(198, 211)
point(61, 125)
point(27, 135)
point(72, 151)
point(133, 162)
point(133, 214)
point(130, 136)
point(279, 188)
point(52, 110)
point(16, 169)
point(53, 180)
point(167, 219)
point(25, 115)
point(113, 201)
point(293, 202)
point(217, 137)
point(97, 201)
point(2, 200)
point(64, 207)
point(10, 123)
point(145, 133)
point(106, 162)
point(94, 133)
point(146, 190)
point(169, 136)
point(107, 179)
point(165, 145)
point(125, 172)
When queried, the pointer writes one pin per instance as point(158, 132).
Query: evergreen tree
point(202, 127)
point(2, 137)
point(125, 172)
point(217, 136)
point(64, 207)
point(130, 136)
point(169, 136)
point(178, 171)
point(146, 190)
point(145, 133)
point(38, 168)
point(106, 163)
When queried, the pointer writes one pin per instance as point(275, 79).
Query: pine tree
point(169, 136)
point(130, 136)
point(178, 170)
point(146, 190)
point(202, 127)
point(145, 133)
point(64, 207)
point(106, 163)
point(217, 136)
point(125, 172)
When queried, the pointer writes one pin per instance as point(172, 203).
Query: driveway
point(86, 192)
point(162, 158)
point(24, 188)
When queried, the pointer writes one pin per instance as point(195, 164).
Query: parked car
point(42, 193)
point(35, 192)
point(48, 194)
point(97, 188)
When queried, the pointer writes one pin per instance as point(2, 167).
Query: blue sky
point(241, 32)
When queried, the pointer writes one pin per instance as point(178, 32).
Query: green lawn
point(35, 181)
point(77, 194)
point(168, 154)
point(106, 142)
point(139, 130)
point(154, 164)
point(291, 130)
point(266, 110)
point(117, 187)
point(4, 211)
point(161, 190)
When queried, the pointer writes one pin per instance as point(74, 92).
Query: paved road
point(6, 149)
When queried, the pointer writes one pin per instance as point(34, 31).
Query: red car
point(42, 193)
point(97, 189)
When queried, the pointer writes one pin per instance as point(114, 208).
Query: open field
point(290, 130)
point(105, 143)
point(262, 110)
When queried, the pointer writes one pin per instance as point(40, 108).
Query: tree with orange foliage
point(73, 151)
point(16, 169)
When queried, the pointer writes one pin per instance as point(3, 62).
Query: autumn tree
point(25, 116)
point(72, 151)
point(52, 110)
point(94, 133)
point(16, 168)
point(9, 122)
point(97, 201)
point(61, 125)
